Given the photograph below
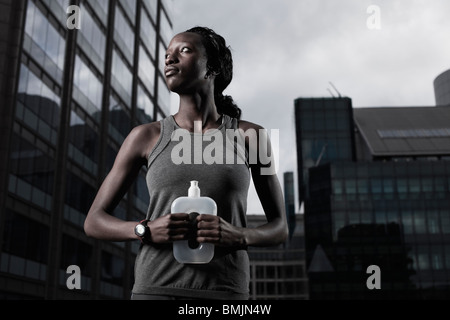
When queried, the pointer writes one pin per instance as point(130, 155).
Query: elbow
point(89, 226)
point(284, 233)
point(281, 233)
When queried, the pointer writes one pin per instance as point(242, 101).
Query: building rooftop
point(405, 131)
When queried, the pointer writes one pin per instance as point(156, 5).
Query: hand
point(170, 227)
point(214, 229)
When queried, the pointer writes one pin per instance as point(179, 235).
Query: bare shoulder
point(144, 137)
point(246, 125)
point(151, 128)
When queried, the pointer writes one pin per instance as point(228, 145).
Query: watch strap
point(146, 238)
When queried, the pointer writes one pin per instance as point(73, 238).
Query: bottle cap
point(194, 190)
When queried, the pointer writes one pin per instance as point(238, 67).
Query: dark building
point(279, 272)
point(289, 201)
point(325, 134)
point(387, 204)
point(69, 98)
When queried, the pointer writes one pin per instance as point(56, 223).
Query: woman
point(198, 68)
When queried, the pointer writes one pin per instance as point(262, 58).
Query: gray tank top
point(223, 175)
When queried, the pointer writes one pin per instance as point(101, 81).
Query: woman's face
point(186, 64)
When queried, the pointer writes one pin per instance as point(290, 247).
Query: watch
point(143, 231)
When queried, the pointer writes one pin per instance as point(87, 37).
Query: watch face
point(140, 230)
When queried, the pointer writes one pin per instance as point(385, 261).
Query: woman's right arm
point(100, 223)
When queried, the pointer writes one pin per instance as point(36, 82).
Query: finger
point(208, 225)
point(212, 234)
point(179, 224)
point(208, 239)
point(207, 217)
point(179, 216)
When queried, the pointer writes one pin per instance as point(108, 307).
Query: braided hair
point(219, 64)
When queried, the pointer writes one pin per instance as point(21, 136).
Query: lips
point(170, 70)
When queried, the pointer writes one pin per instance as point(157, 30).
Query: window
point(122, 78)
point(145, 108)
point(146, 70)
point(25, 247)
point(148, 33)
point(43, 42)
point(101, 9)
point(433, 221)
point(37, 105)
point(163, 96)
point(32, 172)
point(77, 253)
point(124, 35)
point(165, 29)
point(87, 88)
point(407, 222)
point(25, 238)
point(79, 193)
point(113, 269)
point(119, 120)
point(414, 133)
point(92, 39)
point(84, 143)
point(130, 8)
point(152, 8)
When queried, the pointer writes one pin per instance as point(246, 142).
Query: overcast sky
point(286, 49)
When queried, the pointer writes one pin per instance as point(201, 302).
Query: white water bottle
point(190, 251)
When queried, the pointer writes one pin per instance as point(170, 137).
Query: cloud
point(287, 49)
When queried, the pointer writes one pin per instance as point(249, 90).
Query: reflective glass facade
point(389, 213)
point(324, 133)
point(74, 96)
point(395, 215)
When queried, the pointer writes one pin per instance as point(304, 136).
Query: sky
point(377, 52)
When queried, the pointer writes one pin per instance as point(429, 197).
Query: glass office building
point(70, 98)
point(278, 272)
point(386, 205)
point(395, 215)
point(325, 134)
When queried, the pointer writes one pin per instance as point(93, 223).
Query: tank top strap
point(167, 127)
point(239, 147)
point(234, 123)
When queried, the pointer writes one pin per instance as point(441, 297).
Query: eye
point(185, 50)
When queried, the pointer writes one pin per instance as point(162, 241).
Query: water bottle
point(190, 251)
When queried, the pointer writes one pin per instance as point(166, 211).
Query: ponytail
point(220, 64)
point(226, 105)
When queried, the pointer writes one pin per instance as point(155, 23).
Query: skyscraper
point(324, 133)
point(70, 95)
point(384, 205)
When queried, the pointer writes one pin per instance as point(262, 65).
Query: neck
point(196, 110)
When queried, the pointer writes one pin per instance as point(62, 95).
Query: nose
point(171, 59)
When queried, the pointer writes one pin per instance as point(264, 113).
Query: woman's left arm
point(216, 230)
point(268, 188)
point(275, 231)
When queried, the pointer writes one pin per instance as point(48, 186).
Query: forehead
point(187, 37)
